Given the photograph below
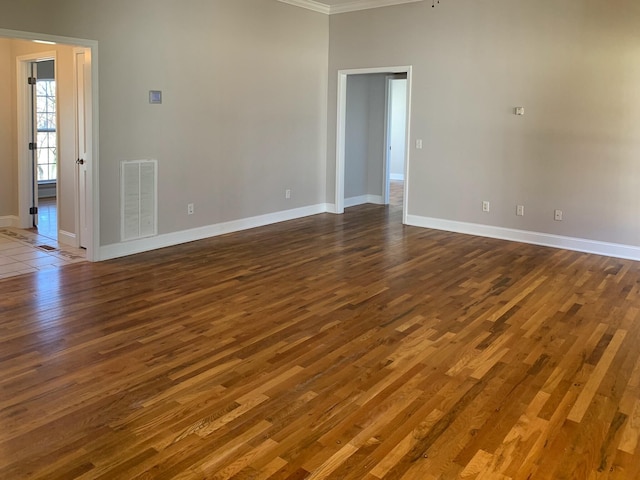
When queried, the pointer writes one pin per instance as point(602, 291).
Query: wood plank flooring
point(331, 347)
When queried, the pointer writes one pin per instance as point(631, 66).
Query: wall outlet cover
point(557, 215)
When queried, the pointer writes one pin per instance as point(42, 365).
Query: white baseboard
point(362, 199)
point(9, 221)
point(123, 249)
point(67, 238)
point(617, 250)
point(397, 176)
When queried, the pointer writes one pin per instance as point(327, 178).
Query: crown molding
point(309, 5)
point(346, 7)
point(366, 5)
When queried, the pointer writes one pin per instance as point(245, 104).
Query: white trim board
point(9, 221)
point(67, 238)
point(309, 5)
point(617, 250)
point(362, 199)
point(353, 6)
point(366, 4)
point(170, 239)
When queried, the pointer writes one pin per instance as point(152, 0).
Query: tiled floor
point(23, 251)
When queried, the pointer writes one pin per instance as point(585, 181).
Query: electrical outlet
point(557, 215)
point(486, 206)
point(419, 144)
point(190, 209)
point(520, 211)
point(287, 194)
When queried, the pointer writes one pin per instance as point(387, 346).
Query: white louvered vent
point(138, 199)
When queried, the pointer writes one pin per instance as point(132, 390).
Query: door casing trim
point(341, 132)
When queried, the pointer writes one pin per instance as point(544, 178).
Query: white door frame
point(80, 203)
point(93, 179)
point(386, 159)
point(341, 132)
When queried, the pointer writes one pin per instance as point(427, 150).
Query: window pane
point(43, 156)
point(42, 140)
point(46, 124)
point(41, 121)
point(46, 121)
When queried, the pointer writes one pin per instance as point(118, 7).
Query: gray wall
point(46, 70)
point(573, 65)
point(246, 98)
point(244, 91)
point(364, 135)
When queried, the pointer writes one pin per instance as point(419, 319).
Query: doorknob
point(80, 161)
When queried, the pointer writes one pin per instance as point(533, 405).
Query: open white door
point(83, 148)
point(27, 130)
point(33, 142)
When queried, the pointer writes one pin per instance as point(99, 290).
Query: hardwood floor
point(396, 192)
point(331, 347)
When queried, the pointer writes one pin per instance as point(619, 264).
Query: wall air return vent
point(138, 199)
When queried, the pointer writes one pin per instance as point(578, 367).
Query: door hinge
point(33, 146)
point(32, 80)
point(33, 211)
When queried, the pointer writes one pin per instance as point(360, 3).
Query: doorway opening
point(57, 138)
point(373, 131)
point(396, 137)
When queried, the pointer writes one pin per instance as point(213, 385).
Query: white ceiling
point(341, 6)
